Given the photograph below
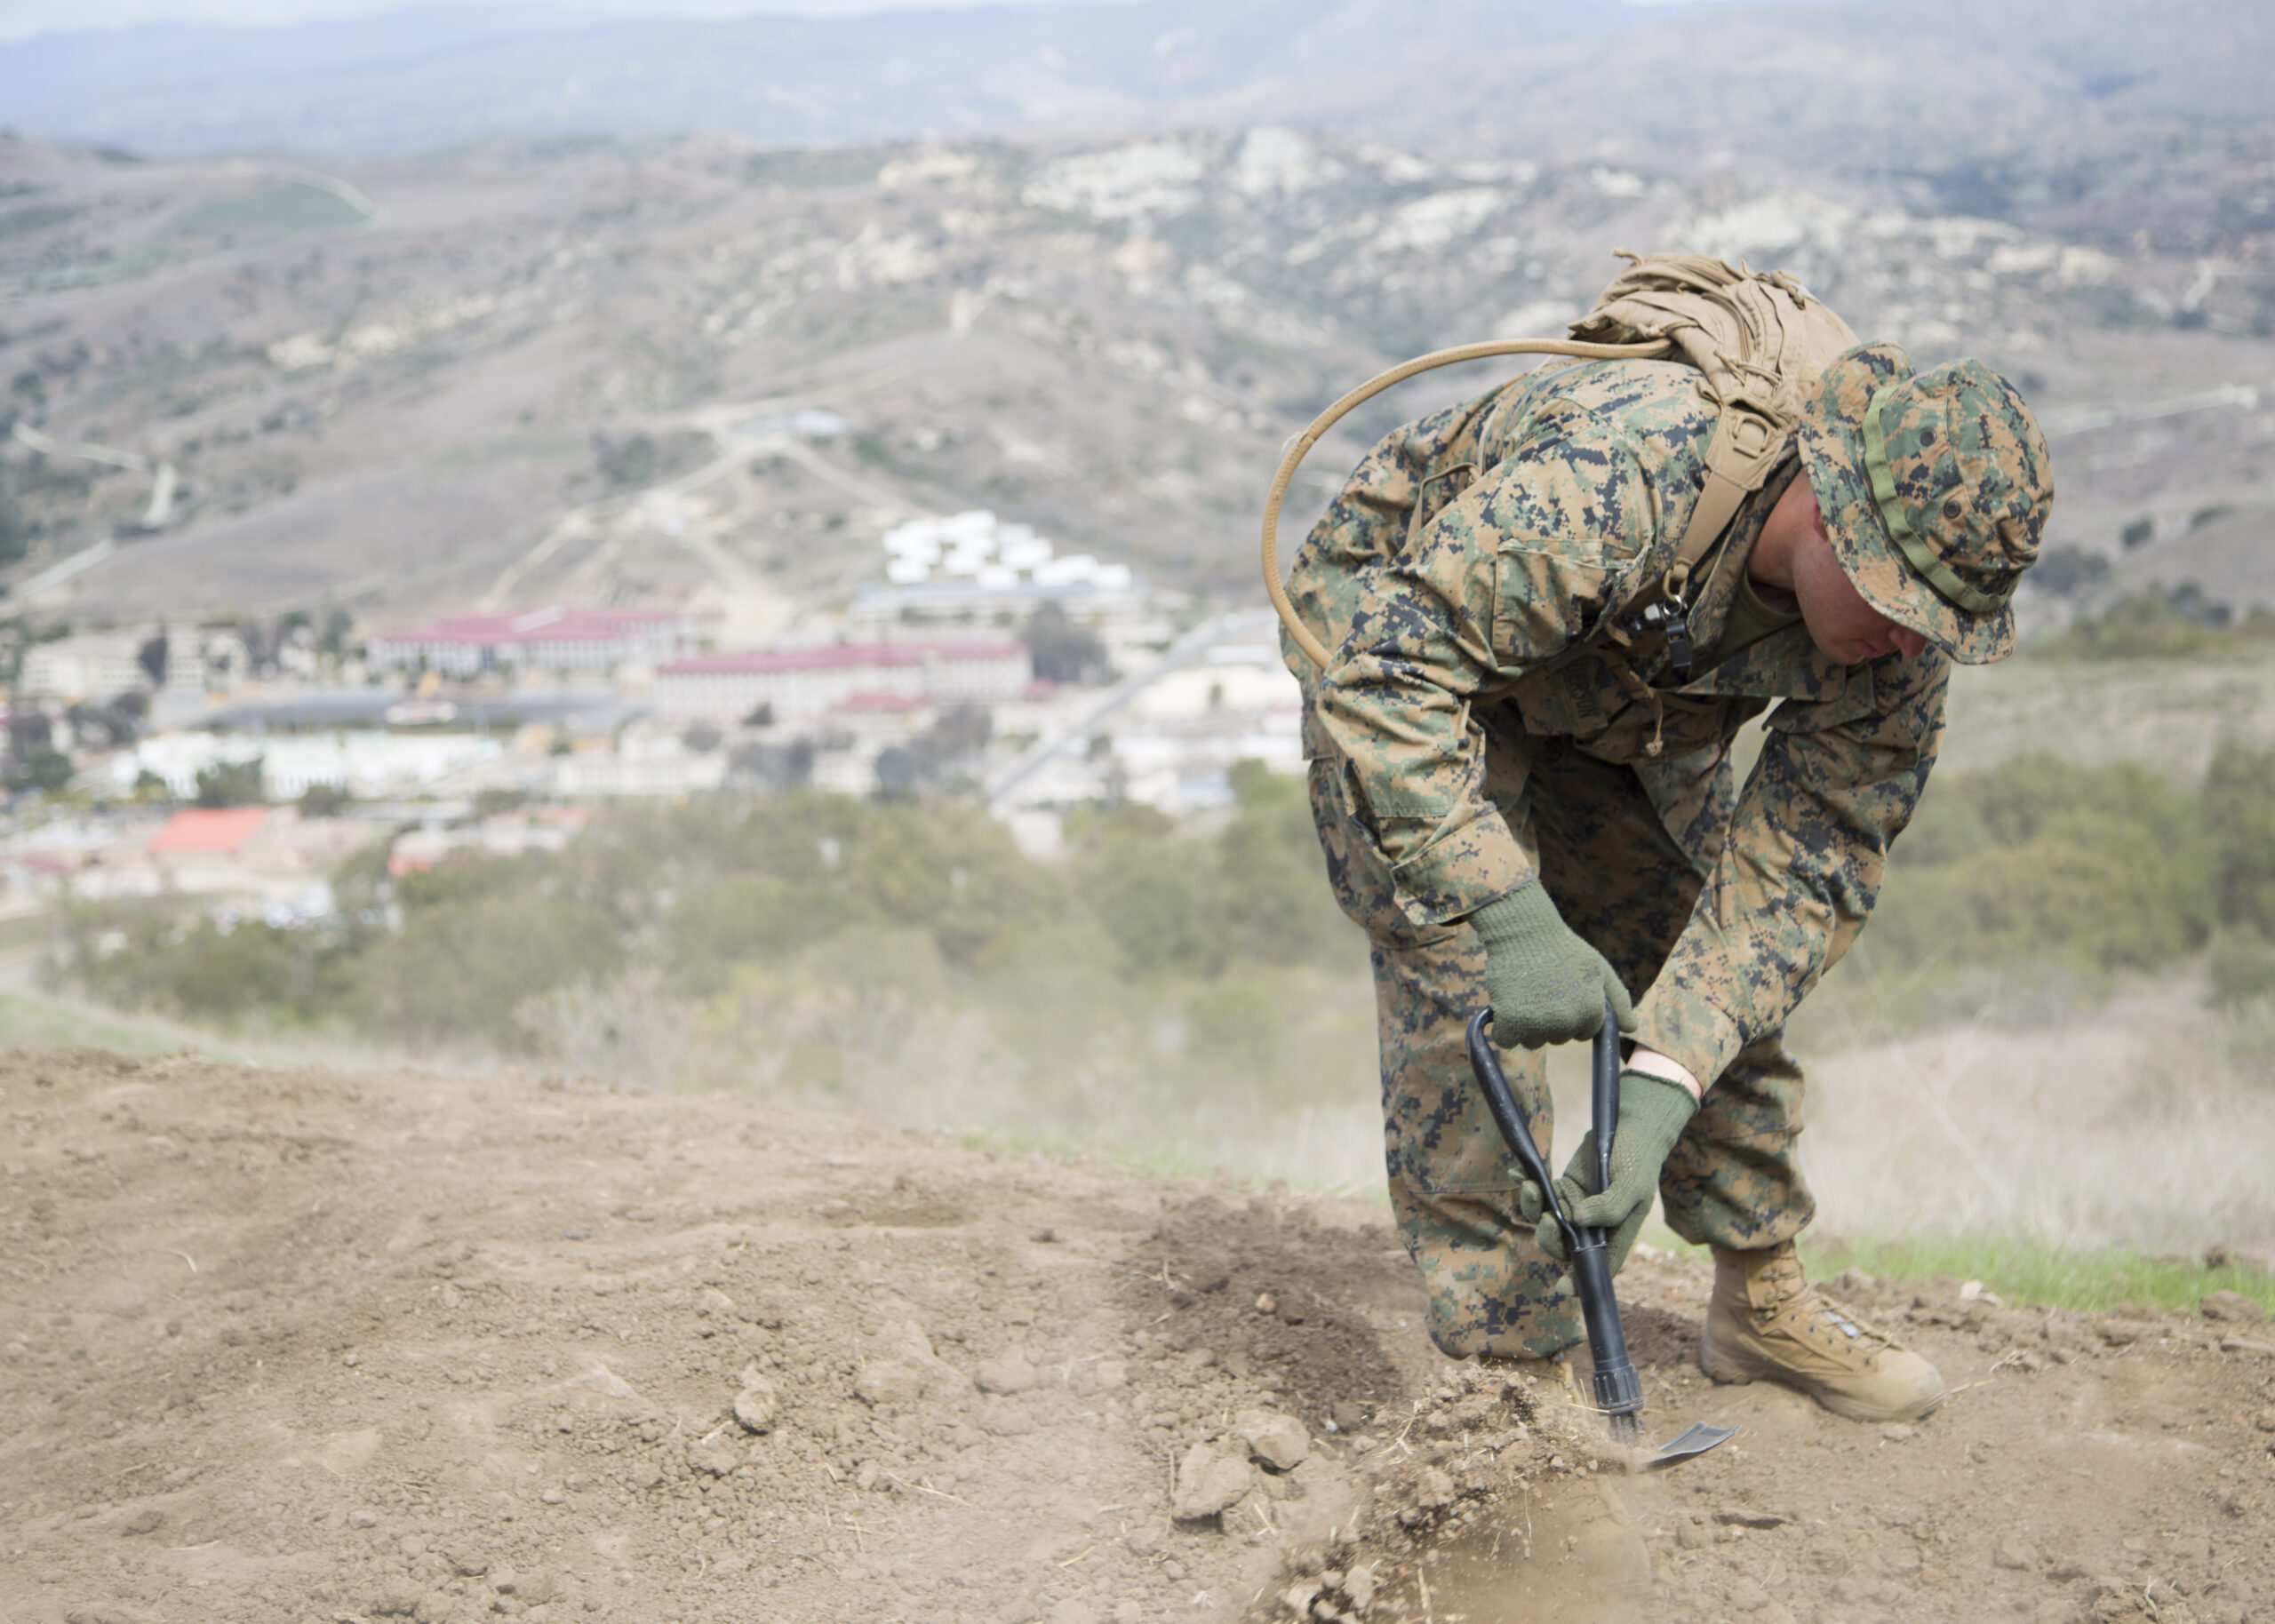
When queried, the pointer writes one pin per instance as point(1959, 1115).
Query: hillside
point(573, 370)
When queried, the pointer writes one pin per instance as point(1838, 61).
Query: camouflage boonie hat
point(1934, 488)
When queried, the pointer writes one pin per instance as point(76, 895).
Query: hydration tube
point(1305, 639)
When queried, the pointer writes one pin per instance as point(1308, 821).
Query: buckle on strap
point(1670, 617)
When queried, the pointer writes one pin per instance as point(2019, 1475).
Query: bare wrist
point(1650, 1062)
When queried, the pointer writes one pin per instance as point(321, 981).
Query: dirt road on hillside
point(302, 1345)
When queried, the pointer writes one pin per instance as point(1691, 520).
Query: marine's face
point(1847, 630)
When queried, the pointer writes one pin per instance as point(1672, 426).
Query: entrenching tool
point(1618, 1391)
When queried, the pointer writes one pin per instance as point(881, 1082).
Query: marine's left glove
point(1546, 985)
point(1652, 1115)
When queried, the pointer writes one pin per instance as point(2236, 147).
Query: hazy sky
point(21, 18)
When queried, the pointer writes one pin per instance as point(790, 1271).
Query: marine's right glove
point(1546, 984)
point(1653, 1112)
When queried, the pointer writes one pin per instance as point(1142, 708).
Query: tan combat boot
point(1767, 1322)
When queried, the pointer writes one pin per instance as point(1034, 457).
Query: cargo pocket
point(1362, 882)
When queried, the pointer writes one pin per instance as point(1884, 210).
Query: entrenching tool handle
point(1619, 1391)
point(1604, 1096)
point(1486, 1065)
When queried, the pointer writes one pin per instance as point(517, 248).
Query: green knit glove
point(1653, 1112)
point(1546, 985)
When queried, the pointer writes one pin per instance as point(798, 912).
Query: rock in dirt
point(758, 1405)
point(902, 1368)
point(1279, 1441)
point(599, 1379)
point(1208, 1482)
point(2266, 1420)
point(2233, 1308)
point(1007, 1375)
point(1359, 1585)
point(1432, 1489)
point(2016, 1554)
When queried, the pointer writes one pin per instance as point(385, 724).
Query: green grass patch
point(263, 215)
point(2042, 1273)
point(29, 1021)
point(34, 1024)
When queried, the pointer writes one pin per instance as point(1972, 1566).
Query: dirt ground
point(304, 1345)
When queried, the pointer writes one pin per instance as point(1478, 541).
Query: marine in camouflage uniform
point(1460, 750)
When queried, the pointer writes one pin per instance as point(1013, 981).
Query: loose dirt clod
point(1209, 1481)
point(1279, 1441)
point(758, 1404)
point(2231, 1307)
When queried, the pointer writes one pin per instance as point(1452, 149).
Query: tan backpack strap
point(1717, 505)
point(1748, 442)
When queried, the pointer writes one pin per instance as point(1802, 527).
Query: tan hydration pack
point(1759, 343)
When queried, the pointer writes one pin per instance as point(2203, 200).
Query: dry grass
point(2170, 715)
point(2141, 1122)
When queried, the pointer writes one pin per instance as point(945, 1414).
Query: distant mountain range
point(1884, 82)
point(1085, 265)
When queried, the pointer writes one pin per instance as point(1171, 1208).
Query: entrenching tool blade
point(1695, 1439)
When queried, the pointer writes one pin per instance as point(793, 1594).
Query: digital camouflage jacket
point(1470, 549)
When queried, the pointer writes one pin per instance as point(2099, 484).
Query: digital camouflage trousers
point(1624, 881)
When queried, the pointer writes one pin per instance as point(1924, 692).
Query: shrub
point(2101, 868)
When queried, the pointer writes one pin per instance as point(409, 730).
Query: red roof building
point(796, 684)
point(208, 832)
point(535, 639)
